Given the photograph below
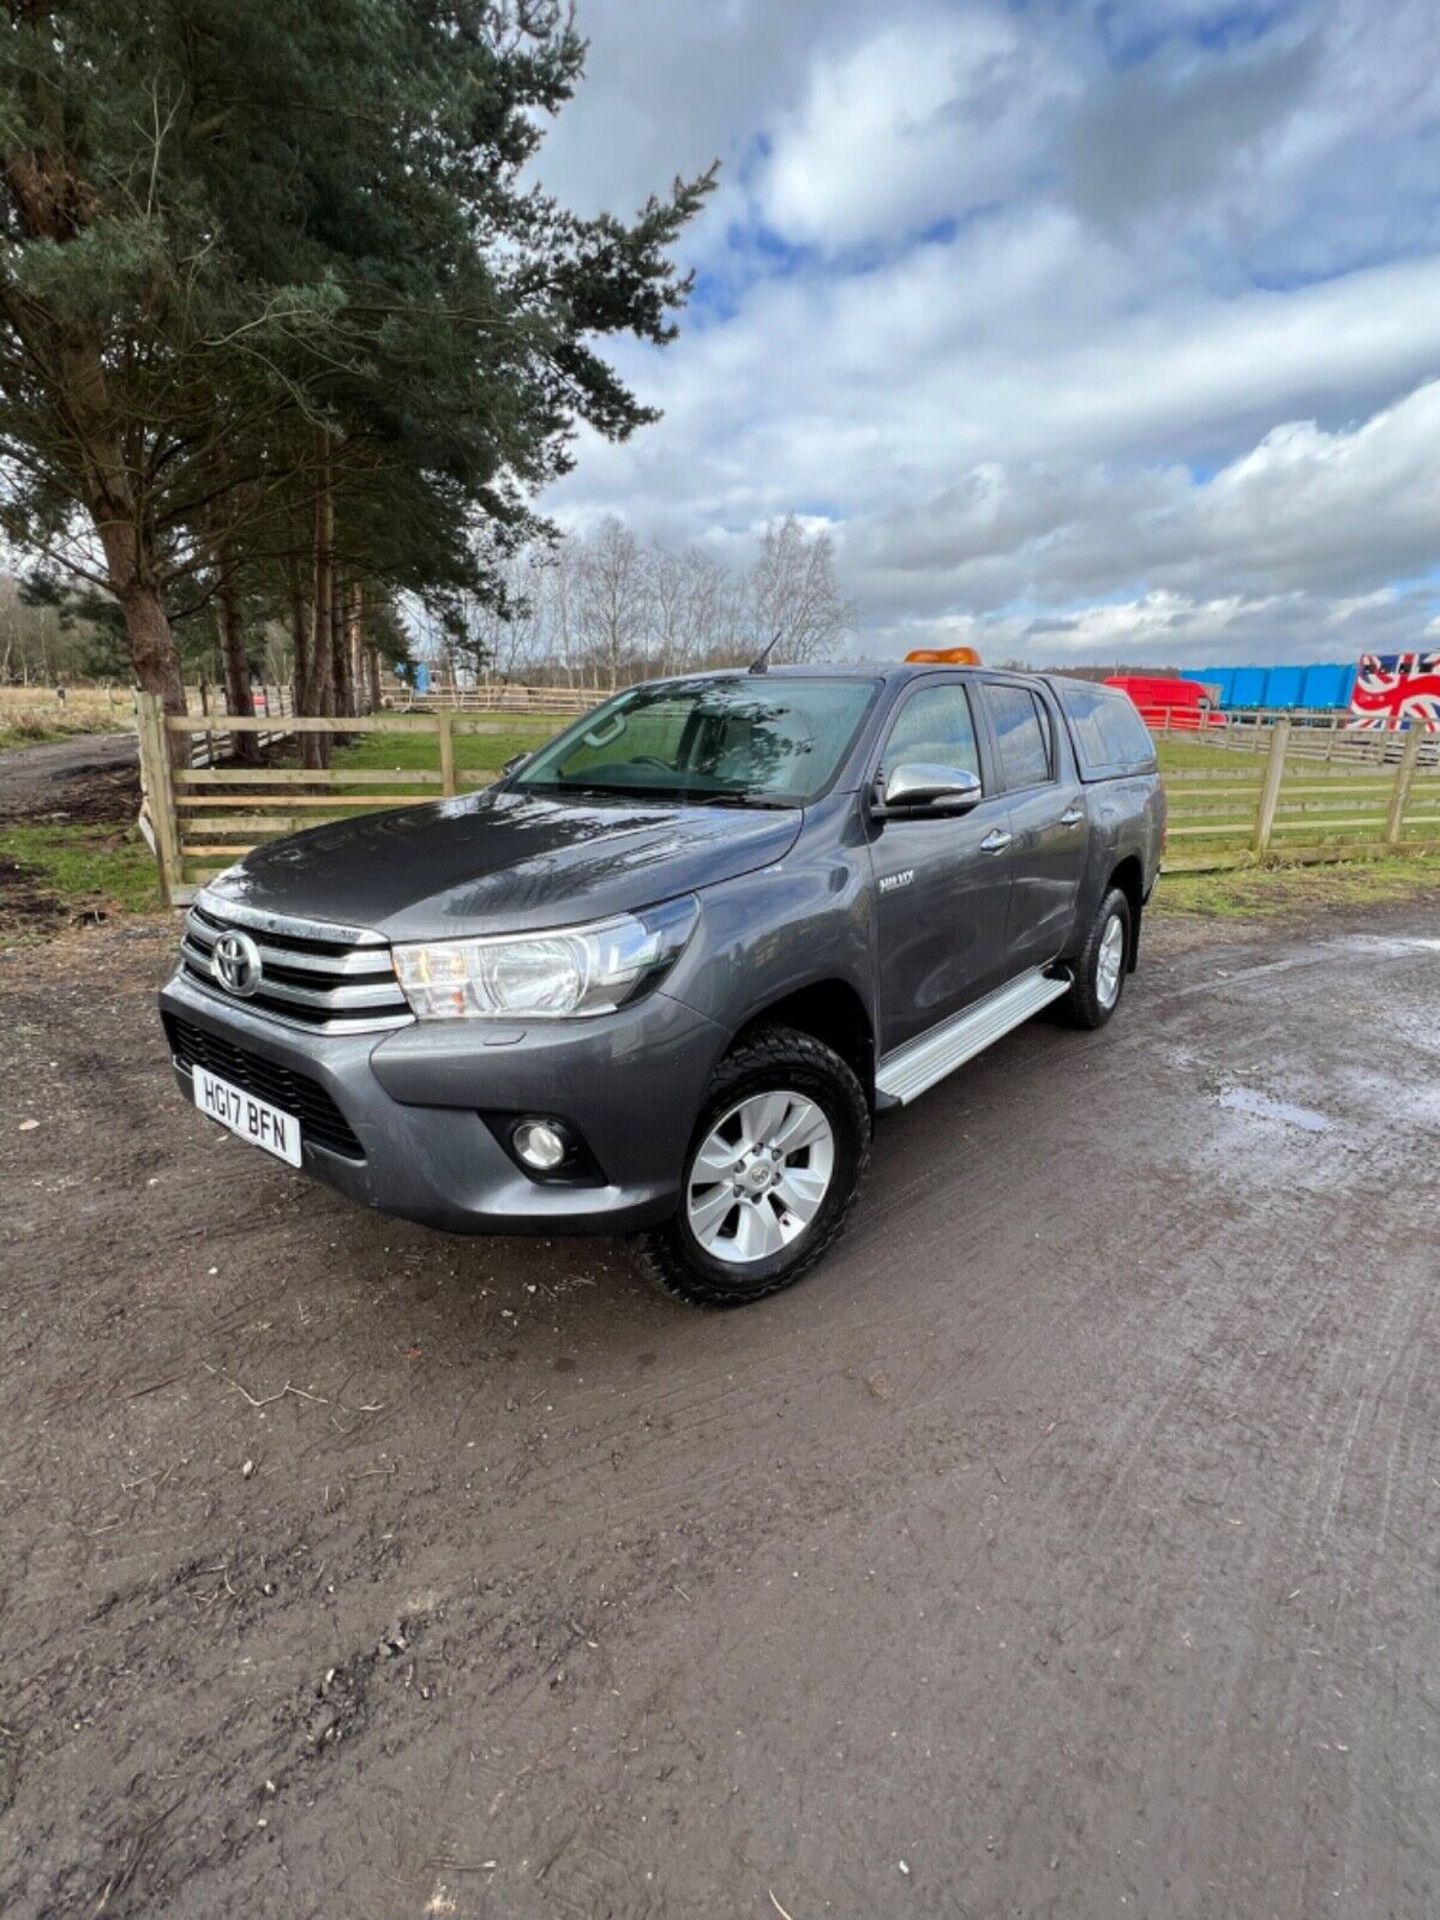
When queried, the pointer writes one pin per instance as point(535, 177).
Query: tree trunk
point(148, 638)
point(238, 699)
point(153, 656)
point(320, 693)
point(355, 647)
point(299, 638)
point(340, 654)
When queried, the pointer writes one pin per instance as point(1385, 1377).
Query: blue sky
point(1091, 331)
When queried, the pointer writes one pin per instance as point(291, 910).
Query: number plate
point(254, 1120)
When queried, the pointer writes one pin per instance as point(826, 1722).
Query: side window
point(1108, 731)
point(1021, 734)
point(935, 725)
point(1127, 739)
point(1084, 704)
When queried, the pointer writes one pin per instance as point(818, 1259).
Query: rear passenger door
point(1047, 816)
point(942, 881)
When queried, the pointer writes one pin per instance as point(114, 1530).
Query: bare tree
point(602, 607)
point(792, 592)
point(610, 599)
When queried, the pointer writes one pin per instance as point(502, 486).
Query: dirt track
point(1067, 1547)
point(38, 781)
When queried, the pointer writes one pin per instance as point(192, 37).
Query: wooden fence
point(201, 818)
point(501, 696)
point(1290, 802)
point(1295, 804)
point(1321, 735)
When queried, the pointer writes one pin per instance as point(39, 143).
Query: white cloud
point(929, 119)
point(1121, 317)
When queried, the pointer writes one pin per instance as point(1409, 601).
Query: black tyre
point(771, 1172)
point(1102, 964)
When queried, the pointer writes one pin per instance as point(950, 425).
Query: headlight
point(545, 976)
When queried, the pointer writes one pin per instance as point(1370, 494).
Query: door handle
point(1072, 816)
point(996, 842)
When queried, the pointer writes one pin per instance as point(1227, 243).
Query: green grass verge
point(44, 733)
point(1299, 892)
point(1191, 756)
point(13, 737)
point(81, 863)
point(474, 752)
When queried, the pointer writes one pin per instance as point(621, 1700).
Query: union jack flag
point(1394, 689)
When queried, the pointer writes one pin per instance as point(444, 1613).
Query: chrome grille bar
point(316, 975)
point(232, 913)
point(371, 963)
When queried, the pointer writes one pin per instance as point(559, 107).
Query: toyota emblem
point(235, 963)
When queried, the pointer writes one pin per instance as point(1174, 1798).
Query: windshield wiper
point(636, 792)
point(767, 802)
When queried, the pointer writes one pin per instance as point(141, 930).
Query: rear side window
point(1021, 734)
point(1109, 734)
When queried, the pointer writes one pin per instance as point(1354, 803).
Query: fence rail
point(501, 696)
point(1319, 734)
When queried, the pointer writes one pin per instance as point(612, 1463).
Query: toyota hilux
point(662, 977)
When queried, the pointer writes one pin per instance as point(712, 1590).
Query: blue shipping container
point(1323, 685)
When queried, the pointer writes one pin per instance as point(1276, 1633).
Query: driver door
point(942, 881)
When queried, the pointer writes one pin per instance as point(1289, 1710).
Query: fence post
point(445, 722)
point(159, 788)
point(1270, 789)
point(1404, 775)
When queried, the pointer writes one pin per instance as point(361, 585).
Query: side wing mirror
point(919, 786)
point(514, 763)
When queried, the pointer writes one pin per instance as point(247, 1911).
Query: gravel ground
point(37, 783)
point(1066, 1547)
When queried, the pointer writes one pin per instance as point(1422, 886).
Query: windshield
point(748, 740)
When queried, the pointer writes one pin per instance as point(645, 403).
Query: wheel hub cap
point(1110, 962)
point(760, 1176)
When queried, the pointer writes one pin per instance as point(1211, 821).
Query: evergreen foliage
point(285, 322)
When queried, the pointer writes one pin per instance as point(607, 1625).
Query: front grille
point(321, 1121)
point(326, 978)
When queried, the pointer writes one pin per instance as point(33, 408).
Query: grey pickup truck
point(663, 976)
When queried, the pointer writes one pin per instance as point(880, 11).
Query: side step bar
point(907, 1072)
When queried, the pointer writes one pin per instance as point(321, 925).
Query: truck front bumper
point(399, 1121)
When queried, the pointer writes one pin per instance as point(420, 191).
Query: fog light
point(540, 1145)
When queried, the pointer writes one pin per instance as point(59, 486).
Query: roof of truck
point(888, 672)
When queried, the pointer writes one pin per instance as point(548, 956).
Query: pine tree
point(274, 287)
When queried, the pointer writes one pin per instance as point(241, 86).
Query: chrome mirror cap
point(924, 786)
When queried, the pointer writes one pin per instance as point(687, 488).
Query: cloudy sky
point(1095, 329)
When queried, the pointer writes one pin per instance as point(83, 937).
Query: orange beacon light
point(943, 657)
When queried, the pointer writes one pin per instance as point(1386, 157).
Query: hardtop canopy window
point(1109, 734)
point(755, 737)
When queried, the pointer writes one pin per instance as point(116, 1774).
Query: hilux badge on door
point(890, 881)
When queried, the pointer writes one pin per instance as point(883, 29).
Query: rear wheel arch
point(1129, 876)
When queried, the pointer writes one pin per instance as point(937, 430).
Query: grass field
point(1286, 893)
point(474, 752)
point(82, 864)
